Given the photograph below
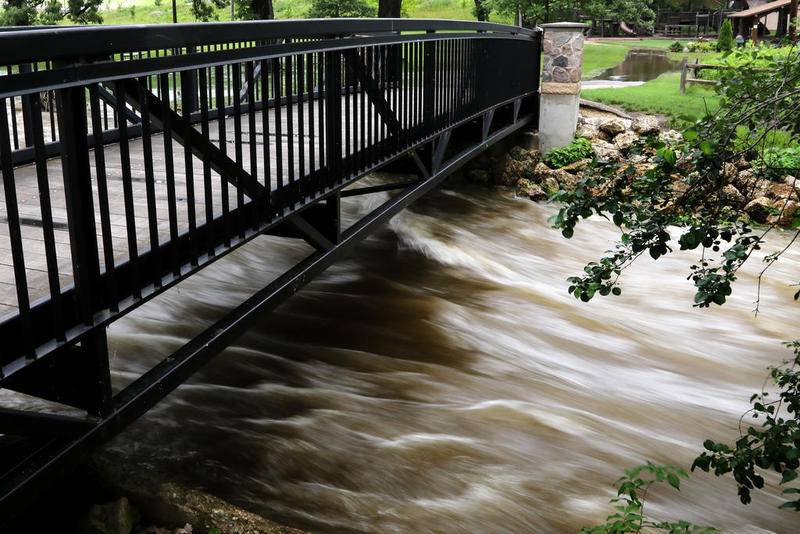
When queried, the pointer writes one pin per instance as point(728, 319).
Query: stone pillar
point(561, 84)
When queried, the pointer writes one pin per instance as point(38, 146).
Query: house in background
point(771, 17)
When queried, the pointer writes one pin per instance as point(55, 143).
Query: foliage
point(701, 46)
point(725, 40)
point(776, 161)
point(677, 46)
point(575, 151)
point(631, 497)
point(685, 190)
point(29, 12)
point(481, 10)
point(638, 13)
point(774, 444)
point(340, 8)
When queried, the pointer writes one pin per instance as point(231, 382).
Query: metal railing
point(132, 156)
point(339, 96)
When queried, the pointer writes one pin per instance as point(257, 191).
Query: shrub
point(701, 46)
point(725, 40)
point(577, 150)
point(778, 162)
point(676, 47)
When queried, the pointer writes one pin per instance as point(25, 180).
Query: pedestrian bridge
point(134, 156)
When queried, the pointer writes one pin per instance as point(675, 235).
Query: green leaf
point(674, 481)
point(788, 476)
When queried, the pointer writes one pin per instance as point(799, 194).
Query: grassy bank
point(598, 57)
point(661, 96)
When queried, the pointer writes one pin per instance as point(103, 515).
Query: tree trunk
point(262, 9)
point(792, 20)
point(389, 9)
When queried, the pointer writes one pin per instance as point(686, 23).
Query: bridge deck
point(28, 199)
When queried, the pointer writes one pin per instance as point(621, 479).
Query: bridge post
point(561, 84)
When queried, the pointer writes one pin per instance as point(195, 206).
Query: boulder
point(528, 189)
point(550, 185)
point(605, 151)
point(614, 126)
point(750, 185)
point(591, 132)
point(517, 164)
point(787, 214)
point(565, 180)
point(670, 136)
point(541, 172)
point(646, 125)
point(759, 209)
point(625, 140)
point(781, 190)
point(743, 164)
point(116, 517)
point(732, 197)
point(729, 171)
point(577, 166)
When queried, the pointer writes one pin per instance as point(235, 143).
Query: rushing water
point(442, 379)
point(640, 65)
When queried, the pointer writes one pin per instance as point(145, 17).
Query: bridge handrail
point(92, 41)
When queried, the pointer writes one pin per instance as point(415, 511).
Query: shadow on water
point(640, 65)
point(442, 380)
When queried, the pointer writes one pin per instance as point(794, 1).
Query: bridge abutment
point(561, 84)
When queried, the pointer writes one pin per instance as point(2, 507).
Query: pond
point(640, 65)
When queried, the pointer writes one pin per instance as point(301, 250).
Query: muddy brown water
point(441, 379)
point(640, 65)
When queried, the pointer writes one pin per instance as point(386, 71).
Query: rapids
point(441, 379)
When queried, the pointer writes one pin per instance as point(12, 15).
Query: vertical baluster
point(15, 232)
point(251, 126)
point(208, 193)
point(310, 89)
point(290, 108)
point(102, 197)
point(127, 187)
point(237, 139)
point(301, 152)
point(321, 113)
point(347, 125)
point(149, 179)
point(188, 105)
point(265, 135)
point(276, 95)
point(43, 183)
point(223, 146)
point(169, 164)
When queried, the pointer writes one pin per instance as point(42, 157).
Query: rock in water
point(759, 209)
point(528, 189)
point(117, 517)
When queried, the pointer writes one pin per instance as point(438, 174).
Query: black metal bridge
point(132, 157)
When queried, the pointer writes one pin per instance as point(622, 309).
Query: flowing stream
point(441, 379)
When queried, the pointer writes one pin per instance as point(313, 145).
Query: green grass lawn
point(661, 96)
point(598, 57)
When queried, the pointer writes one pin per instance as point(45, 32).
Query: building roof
point(760, 10)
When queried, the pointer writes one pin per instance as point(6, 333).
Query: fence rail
point(133, 156)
